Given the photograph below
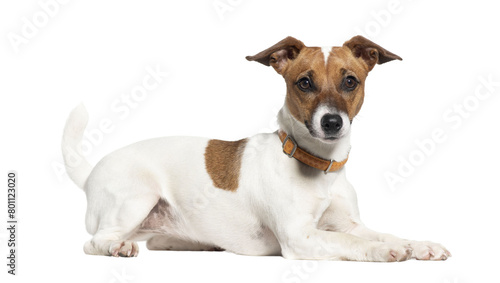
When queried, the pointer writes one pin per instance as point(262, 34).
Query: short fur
point(247, 197)
point(223, 162)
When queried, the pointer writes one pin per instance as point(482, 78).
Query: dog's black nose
point(331, 123)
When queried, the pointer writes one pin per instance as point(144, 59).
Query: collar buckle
point(289, 138)
point(329, 166)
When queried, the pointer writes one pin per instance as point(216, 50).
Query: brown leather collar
point(291, 149)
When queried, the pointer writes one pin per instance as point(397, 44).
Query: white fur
point(77, 167)
point(321, 111)
point(326, 53)
point(336, 150)
point(281, 206)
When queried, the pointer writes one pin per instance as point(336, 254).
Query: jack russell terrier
point(283, 193)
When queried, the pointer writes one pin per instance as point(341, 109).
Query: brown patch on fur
point(310, 61)
point(223, 162)
point(327, 80)
point(369, 51)
point(292, 59)
point(344, 64)
point(278, 54)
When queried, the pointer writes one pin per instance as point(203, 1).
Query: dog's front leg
point(343, 215)
point(312, 243)
point(423, 250)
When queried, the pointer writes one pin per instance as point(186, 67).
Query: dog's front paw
point(124, 249)
point(429, 251)
point(390, 252)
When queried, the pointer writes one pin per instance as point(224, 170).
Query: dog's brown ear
point(278, 55)
point(369, 51)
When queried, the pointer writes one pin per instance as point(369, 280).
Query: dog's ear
point(369, 51)
point(279, 54)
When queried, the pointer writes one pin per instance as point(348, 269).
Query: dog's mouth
point(329, 140)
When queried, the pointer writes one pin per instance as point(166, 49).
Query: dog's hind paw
point(124, 249)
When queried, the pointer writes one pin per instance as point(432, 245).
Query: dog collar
point(291, 149)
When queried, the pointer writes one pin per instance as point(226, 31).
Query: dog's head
point(325, 86)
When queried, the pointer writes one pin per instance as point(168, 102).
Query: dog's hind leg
point(117, 224)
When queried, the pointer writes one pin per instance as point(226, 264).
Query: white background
point(97, 52)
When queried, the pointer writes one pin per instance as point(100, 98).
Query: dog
point(282, 193)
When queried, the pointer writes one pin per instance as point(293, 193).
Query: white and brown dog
point(260, 201)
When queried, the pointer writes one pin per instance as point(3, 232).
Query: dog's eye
point(304, 84)
point(350, 83)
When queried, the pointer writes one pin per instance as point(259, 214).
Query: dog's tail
point(77, 167)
